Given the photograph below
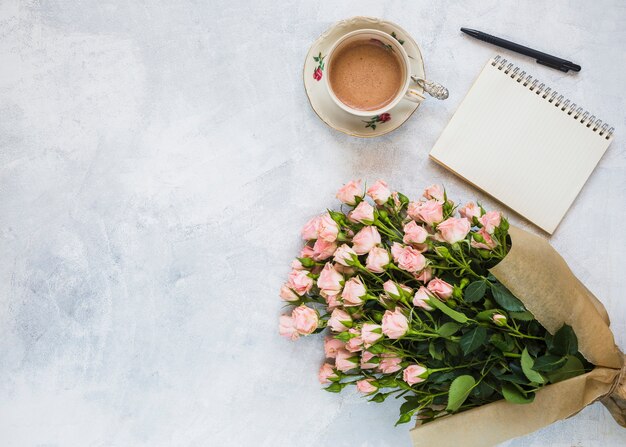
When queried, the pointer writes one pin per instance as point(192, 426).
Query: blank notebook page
point(519, 147)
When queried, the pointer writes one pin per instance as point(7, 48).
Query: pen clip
point(558, 66)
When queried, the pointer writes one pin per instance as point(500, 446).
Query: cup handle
point(434, 89)
point(414, 95)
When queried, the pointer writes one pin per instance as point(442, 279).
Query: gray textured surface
point(156, 164)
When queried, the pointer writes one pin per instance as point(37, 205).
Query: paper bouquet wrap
point(536, 274)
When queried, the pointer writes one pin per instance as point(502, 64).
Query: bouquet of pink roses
point(412, 309)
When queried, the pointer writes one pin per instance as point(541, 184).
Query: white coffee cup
point(404, 93)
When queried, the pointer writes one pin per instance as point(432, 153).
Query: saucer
point(323, 105)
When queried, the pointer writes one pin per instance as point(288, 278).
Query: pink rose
point(371, 333)
point(363, 213)
point(454, 229)
point(346, 360)
point(331, 300)
point(489, 243)
point(365, 386)
point(389, 364)
point(287, 294)
point(393, 289)
point(305, 319)
point(297, 265)
point(331, 346)
point(413, 374)
point(311, 229)
point(408, 258)
point(327, 374)
point(384, 117)
point(366, 239)
point(425, 275)
point(329, 280)
point(490, 221)
point(395, 324)
point(328, 228)
point(499, 319)
point(287, 327)
point(421, 298)
point(353, 292)
point(434, 192)
point(379, 192)
point(307, 252)
point(344, 255)
point(366, 360)
point(377, 259)
point(299, 281)
point(414, 233)
point(440, 288)
point(470, 210)
point(323, 249)
point(429, 212)
point(349, 192)
point(355, 344)
point(340, 320)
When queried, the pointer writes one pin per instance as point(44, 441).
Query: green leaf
point(527, 368)
point(379, 397)
point(435, 352)
point(513, 394)
point(549, 363)
point(506, 299)
point(447, 329)
point(486, 315)
point(503, 343)
point(411, 404)
point(404, 418)
point(565, 341)
point(335, 387)
point(475, 291)
point(473, 339)
point(456, 316)
point(572, 368)
point(458, 392)
point(452, 347)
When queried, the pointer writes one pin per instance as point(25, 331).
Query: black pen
point(542, 58)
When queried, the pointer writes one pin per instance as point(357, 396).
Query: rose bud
point(454, 229)
point(363, 213)
point(389, 364)
point(429, 212)
point(470, 210)
point(425, 275)
point(483, 240)
point(366, 239)
point(349, 192)
point(344, 255)
point(329, 280)
point(395, 324)
point(328, 228)
point(340, 320)
point(305, 319)
point(353, 292)
point(371, 333)
point(499, 319)
point(323, 249)
point(413, 374)
point(287, 294)
point(311, 229)
point(434, 192)
point(327, 374)
point(299, 281)
point(421, 299)
point(379, 192)
point(377, 259)
point(439, 287)
point(287, 327)
point(355, 344)
point(331, 346)
point(490, 221)
point(345, 360)
point(408, 258)
point(366, 360)
point(414, 233)
point(394, 290)
point(365, 386)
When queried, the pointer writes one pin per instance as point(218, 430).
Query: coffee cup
point(369, 74)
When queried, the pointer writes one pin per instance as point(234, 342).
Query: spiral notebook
point(522, 143)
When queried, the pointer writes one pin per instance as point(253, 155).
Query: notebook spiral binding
point(553, 97)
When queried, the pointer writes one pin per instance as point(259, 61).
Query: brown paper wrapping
point(535, 273)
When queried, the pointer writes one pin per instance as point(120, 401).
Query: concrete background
point(157, 160)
